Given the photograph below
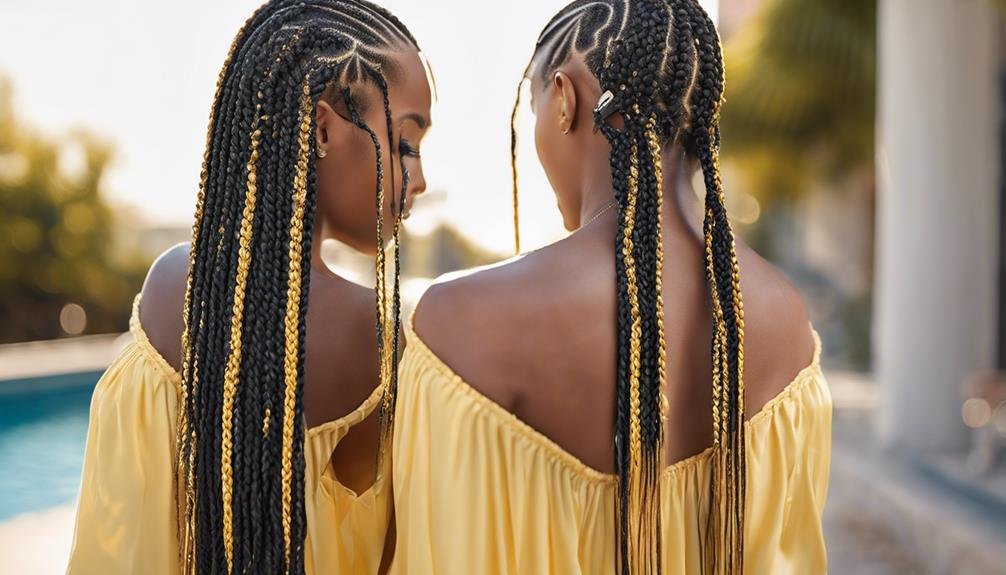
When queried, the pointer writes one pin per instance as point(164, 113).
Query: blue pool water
point(43, 427)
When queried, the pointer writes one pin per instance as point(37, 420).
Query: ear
point(566, 92)
point(331, 128)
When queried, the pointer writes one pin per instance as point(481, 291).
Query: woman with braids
point(610, 403)
point(235, 435)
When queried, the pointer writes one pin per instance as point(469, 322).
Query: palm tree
point(801, 95)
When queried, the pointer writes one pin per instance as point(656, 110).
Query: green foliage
point(57, 235)
point(801, 95)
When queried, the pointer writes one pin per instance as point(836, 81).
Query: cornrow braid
point(240, 458)
point(660, 66)
point(728, 488)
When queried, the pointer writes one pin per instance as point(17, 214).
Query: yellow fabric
point(479, 491)
point(126, 518)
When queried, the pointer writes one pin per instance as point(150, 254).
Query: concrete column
point(937, 220)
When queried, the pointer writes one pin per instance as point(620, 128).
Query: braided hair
point(660, 66)
point(240, 428)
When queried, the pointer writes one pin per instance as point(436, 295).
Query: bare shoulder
point(505, 294)
point(493, 326)
point(469, 319)
point(162, 299)
point(778, 335)
point(459, 303)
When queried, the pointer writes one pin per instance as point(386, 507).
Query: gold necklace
point(599, 213)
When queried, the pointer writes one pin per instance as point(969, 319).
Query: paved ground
point(861, 546)
point(889, 513)
point(36, 543)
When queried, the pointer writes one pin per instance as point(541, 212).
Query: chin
point(568, 222)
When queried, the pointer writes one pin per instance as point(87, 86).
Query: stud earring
point(321, 152)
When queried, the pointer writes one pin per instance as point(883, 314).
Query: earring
point(566, 132)
point(321, 152)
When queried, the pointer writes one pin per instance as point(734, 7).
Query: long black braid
point(241, 424)
point(660, 66)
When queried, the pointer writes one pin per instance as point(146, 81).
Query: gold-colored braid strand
point(187, 457)
point(738, 300)
point(654, 143)
point(733, 450)
point(716, 535)
point(516, 214)
point(738, 478)
point(513, 168)
point(656, 464)
point(186, 443)
point(384, 350)
point(719, 337)
point(380, 284)
point(635, 340)
point(292, 320)
point(233, 366)
point(387, 425)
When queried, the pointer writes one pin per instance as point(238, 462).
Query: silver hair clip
point(602, 103)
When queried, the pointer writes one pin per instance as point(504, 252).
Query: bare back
point(341, 353)
point(537, 336)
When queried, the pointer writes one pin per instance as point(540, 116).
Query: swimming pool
point(43, 428)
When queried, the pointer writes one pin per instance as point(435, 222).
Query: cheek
point(346, 189)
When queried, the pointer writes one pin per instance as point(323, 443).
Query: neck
point(680, 205)
point(596, 195)
point(317, 236)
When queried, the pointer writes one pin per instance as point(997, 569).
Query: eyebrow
point(420, 121)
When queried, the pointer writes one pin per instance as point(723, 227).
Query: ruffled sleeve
point(126, 516)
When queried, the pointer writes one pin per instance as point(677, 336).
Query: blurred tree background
point(798, 137)
point(63, 270)
point(801, 95)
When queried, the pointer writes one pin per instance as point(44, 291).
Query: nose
point(417, 180)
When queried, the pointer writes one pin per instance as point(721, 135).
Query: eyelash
point(407, 149)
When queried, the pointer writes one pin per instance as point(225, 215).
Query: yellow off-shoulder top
point(126, 516)
point(479, 491)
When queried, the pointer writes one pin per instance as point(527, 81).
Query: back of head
point(660, 70)
point(241, 422)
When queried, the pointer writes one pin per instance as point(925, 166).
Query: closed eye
point(407, 149)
